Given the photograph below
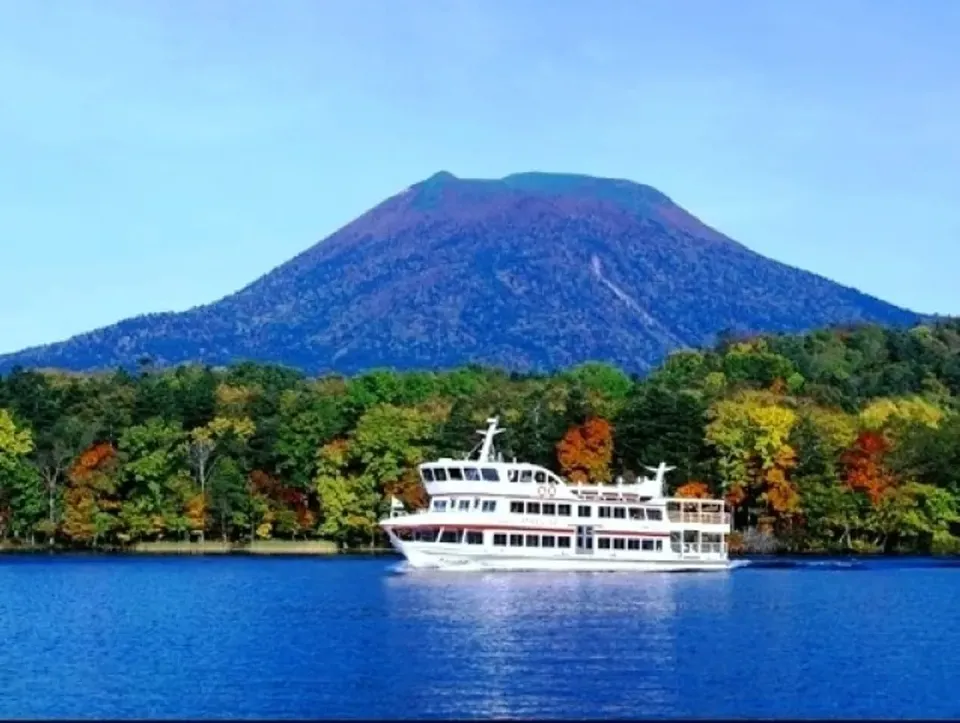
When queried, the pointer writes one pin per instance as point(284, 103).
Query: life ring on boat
point(552, 490)
point(542, 491)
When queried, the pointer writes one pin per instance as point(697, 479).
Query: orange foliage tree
point(90, 502)
point(694, 490)
point(408, 489)
point(288, 508)
point(585, 452)
point(865, 468)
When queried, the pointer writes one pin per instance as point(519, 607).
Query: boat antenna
point(486, 451)
point(660, 470)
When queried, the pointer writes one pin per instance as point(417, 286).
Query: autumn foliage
point(585, 452)
point(409, 490)
point(865, 468)
point(694, 490)
point(830, 441)
point(90, 495)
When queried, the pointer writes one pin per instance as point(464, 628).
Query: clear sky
point(159, 154)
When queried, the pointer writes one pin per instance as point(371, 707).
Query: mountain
point(530, 272)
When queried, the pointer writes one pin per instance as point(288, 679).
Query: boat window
point(427, 474)
point(489, 506)
point(474, 537)
point(620, 513)
point(476, 502)
point(659, 545)
point(516, 507)
point(533, 508)
point(549, 508)
point(563, 542)
point(472, 473)
point(540, 477)
point(526, 475)
point(450, 536)
point(464, 505)
point(500, 540)
point(648, 544)
point(440, 505)
point(455, 473)
point(633, 544)
point(654, 514)
point(603, 543)
point(440, 475)
point(428, 535)
point(636, 513)
point(516, 540)
point(603, 511)
point(548, 541)
point(583, 511)
point(490, 474)
point(512, 475)
point(533, 541)
point(563, 510)
point(619, 543)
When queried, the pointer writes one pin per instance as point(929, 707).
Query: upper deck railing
point(703, 518)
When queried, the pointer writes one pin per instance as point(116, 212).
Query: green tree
point(229, 497)
point(661, 424)
point(308, 420)
point(21, 492)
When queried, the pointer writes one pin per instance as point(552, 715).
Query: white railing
point(705, 518)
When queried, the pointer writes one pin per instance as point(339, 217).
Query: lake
point(248, 637)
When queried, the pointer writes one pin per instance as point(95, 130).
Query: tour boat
point(485, 513)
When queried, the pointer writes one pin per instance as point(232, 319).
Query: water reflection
point(543, 644)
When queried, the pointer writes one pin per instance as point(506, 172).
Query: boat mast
point(486, 451)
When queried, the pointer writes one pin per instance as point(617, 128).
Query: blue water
point(307, 638)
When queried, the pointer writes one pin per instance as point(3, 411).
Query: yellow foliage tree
point(836, 430)
point(750, 433)
point(234, 401)
point(888, 415)
point(14, 442)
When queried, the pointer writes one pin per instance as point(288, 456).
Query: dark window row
point(527, 475)
point(629, 543)
point(623, 513)
point(442, 505)
point(540, 508)
point(469, 537)
point(501, 539)
point(606, 511)
point(458, 474)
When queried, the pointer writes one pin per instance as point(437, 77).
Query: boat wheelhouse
point(487, 513)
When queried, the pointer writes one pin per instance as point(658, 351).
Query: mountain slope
point(532, 271)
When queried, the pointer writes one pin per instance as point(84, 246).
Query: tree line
point(844, 439)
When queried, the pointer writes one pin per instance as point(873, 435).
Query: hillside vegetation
point(847, 439)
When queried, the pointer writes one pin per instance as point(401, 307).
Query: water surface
point(244, 637)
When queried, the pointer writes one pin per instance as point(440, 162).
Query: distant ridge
point(533, 271)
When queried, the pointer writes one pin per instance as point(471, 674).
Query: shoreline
point(265, 548)
point(326, 548)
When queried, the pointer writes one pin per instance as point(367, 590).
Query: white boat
point(488, 514)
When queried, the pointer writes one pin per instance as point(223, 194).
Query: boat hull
point(433, 556)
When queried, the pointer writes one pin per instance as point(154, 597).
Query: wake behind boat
point(487, 514)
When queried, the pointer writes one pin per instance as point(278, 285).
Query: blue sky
point(160, 154)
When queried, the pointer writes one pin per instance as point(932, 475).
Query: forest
point(839, 440)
